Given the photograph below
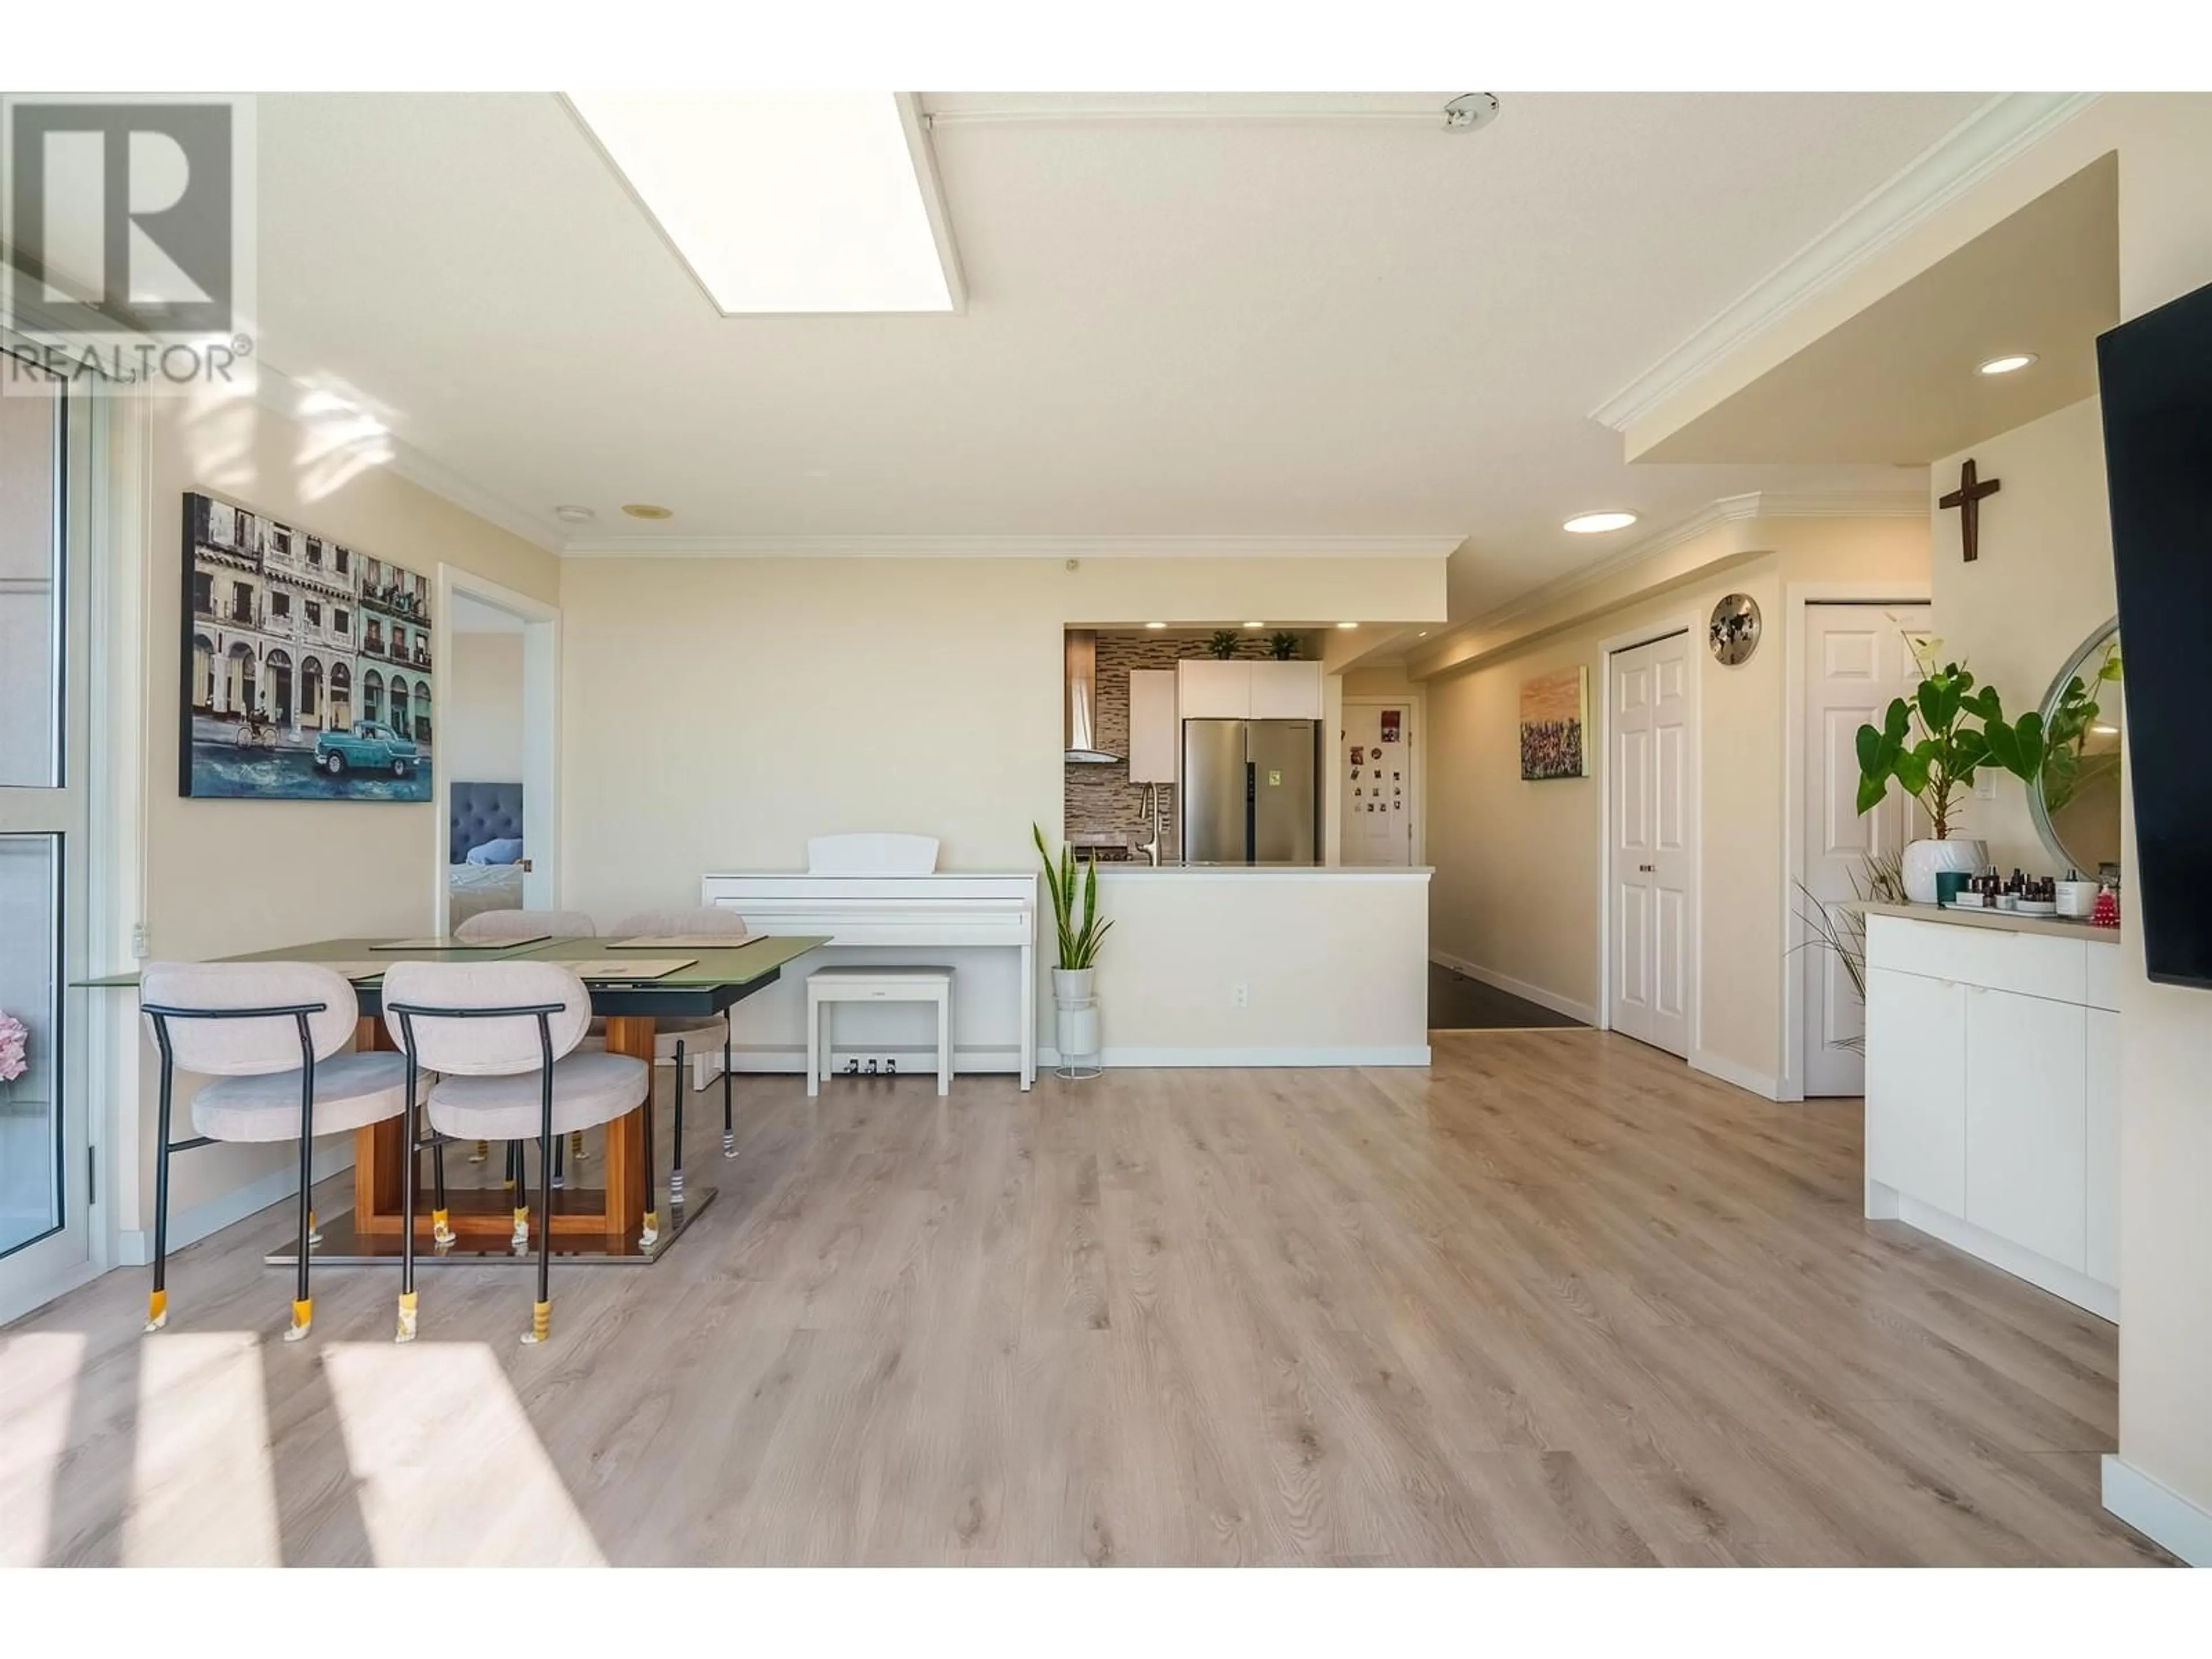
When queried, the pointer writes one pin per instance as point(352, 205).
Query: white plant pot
point(1075, 1013)
point(1924, 858)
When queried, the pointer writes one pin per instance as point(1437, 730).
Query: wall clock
point(1734, 631)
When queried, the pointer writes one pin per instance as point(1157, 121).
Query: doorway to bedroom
point(494, 757)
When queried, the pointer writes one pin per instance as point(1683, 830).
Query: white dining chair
point(501, 1036)
point(515, 928)
point(268, 1033)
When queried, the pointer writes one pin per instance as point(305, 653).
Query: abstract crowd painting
point(1554, 713)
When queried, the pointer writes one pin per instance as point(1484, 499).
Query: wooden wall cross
point(1967, 498)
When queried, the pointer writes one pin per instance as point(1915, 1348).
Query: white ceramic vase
point(1075, 1013)
point(1923, 859)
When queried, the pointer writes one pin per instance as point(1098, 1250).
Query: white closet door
point(1652, 742)
point(1856, 661)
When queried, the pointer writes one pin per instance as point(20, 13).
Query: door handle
point(1648, 869)
point(526, 866)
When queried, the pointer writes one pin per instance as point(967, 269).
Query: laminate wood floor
point(1556, 1299)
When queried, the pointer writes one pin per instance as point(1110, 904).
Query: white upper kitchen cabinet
point(1285, 691)
point(1209, 690)
point(1151, 725)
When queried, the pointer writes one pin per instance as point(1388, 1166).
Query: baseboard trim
point(1263, 1059)
point(1728, 1071)
point(134, 1247)
point(1519, 987)
point(2156, 1511)
point(2041, 1271)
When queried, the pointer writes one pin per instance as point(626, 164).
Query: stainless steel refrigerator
point(1251, 792)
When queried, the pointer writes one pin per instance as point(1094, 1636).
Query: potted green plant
point(1074, 893)
point(1282, 647)
point(1931, 747)
point(1221, 644)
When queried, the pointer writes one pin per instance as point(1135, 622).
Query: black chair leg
point(442, 1225)
point(729, 1120)
point(651, 1229)
point(157, 1300)
point(541, 1313)
point(676, 1158)
point(518, 1190)
point(560, 1150)
point(406, 1331)
point(303, 1301)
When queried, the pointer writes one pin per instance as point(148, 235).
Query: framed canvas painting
point(307, 664)
point(1554, 713)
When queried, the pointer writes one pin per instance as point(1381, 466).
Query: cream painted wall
point(480, 739)
point(224, 876)
point(1517, 886)
point(827, 695)
point(2044, 581)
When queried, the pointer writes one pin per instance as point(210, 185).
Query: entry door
point(1654, 858)
point(1856, 662)
point(1375, 775)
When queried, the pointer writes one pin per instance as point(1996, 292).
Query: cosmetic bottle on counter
point(2105, 913)
point(2075, 897)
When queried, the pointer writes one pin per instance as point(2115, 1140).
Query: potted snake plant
point(1075, 912)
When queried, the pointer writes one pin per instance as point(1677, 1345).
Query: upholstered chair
point(502, 1037)
point(512, 926)
point(268, 1033)
point(692, 1034)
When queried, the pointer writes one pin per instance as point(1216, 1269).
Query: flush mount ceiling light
point(787, 202)
point(1156, 624)
point(646, 510)
point(572, 514)
point(1347, 624)
point(2007, 364)
point(1596, 524)
point(1255, 624)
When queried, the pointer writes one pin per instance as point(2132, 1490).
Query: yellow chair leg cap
point(406, 1333)
point(303, 1320)
point(157, 1309)
point(541, 1322)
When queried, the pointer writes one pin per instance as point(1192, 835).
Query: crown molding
point(1725, 509)
point(1985, 141)
point(1011, 547)
point(298, 402)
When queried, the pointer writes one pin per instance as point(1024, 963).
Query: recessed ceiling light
point(1156, 624)
point(1423, 634)
point(784, 202)
point(1596, 524)
point(646, 510)
point(572, 514)
point(1255, 624)
point(1347, 624)
point(2005, 365)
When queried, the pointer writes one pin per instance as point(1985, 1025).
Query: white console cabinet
point(1992, 1093)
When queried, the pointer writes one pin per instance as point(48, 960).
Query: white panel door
point(1375, 777)
point(1651, 741)
point(1856, 661)
point(2026, 1121)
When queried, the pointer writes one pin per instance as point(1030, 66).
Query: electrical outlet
point(1240, 995)
point(139, 947)
point(1985, 787)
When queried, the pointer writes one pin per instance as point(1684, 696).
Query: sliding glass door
point(44, 1174)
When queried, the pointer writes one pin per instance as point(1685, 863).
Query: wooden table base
point(607, 1215)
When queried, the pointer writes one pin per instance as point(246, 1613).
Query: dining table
point(603, 1222)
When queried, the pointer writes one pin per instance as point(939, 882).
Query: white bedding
point(476, 888)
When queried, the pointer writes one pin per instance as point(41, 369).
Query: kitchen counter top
point(2008, 921)
point(1331, 872)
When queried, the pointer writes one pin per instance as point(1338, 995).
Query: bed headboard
point(482, 812)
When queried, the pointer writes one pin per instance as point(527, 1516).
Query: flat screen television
point(2155, 374)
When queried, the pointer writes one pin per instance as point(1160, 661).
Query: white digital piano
point(881, 898)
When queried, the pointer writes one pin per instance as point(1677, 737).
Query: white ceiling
point(1299, 328)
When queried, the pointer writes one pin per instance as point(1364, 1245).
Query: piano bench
point(826, 987)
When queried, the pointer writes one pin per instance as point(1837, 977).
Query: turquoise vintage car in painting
point(368, 747)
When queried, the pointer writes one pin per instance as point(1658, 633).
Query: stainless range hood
point(1082, 700)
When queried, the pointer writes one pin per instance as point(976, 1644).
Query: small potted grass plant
point(1073, 885)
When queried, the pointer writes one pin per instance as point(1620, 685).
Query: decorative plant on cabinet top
point(1932, 746)
point(1221, 644)
point(1282, 647)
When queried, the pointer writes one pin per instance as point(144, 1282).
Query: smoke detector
point(1470, 111)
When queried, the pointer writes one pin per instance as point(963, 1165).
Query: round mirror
point(2076, 800)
